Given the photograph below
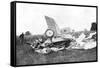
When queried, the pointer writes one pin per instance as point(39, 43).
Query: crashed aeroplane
point(56, 40)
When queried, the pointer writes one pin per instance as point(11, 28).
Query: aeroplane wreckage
point(57, 41)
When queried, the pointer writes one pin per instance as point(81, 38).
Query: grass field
point(27, 56)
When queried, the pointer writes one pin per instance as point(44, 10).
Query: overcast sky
point(30, 17)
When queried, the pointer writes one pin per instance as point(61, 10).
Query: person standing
point(21, 38)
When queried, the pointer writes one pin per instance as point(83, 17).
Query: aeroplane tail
point(52, 25)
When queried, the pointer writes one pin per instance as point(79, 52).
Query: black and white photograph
point(53, 34)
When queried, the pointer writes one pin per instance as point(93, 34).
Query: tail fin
point(52, 25)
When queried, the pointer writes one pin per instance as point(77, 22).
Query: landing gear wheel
point(46, 50)
point(49, 33)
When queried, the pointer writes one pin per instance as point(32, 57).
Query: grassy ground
point(27, 56)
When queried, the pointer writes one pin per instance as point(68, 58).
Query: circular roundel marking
point(49, 33)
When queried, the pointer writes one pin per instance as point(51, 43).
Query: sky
point(31, 17)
